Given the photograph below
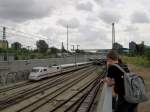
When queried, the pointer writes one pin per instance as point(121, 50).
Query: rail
point(105, 100)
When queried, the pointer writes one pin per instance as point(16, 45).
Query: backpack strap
point(116, 65)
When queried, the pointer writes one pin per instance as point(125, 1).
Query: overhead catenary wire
point(27, 34)
point(21, 36)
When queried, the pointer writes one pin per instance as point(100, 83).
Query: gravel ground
point(145, 73)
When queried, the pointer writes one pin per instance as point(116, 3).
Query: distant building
point(136, 48)
point(3, 44)
point(132, 47)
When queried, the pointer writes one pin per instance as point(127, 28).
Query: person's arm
point(110, 76)
point(108, 80)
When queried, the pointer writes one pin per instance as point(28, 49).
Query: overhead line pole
point(67, 37)
point(113, 34)
point(78, 46)
point(75, 52)
point(5, 44)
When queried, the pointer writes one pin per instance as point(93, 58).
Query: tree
point(140, 49)
point(16, 45)
point(42, 46)
point(147, 53)
point(118, 47)
point(136, 49)
point(54, 50)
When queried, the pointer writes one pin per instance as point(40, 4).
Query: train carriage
point(38, 73)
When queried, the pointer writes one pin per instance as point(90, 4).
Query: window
point(45, 70)
point(35, 70)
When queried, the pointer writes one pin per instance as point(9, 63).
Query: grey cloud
point(85, 6)
point(91, 37)
point(72, 23)
point(110, 3)
point(22, 10)
point(110, 16)
point(99, 1)
point(90, 34)
point(131, 28)
point(139, 17)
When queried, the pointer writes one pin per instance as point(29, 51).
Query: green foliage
point(138, 60)
point(140, 49)
point(2, 50)
point(16, 45)
point(54, 50)
point(118, 47)
point(42, 46)
point(147, 54)
point(33, 56)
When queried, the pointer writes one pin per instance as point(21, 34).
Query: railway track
point(28, 83)
point(6, 102)
point(86, 102)
point(50, 97)
point(63, 94)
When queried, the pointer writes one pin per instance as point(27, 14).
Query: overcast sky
point(89, 21)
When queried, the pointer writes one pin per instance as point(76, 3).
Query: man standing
point(115, 77)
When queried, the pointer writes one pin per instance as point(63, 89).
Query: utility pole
point(62, 49)
point(73, 46)
point(74, 54)
point(4, 33)
point(5, 44)
point(113, 34)
point(78, 46)
point(67, 37)
point(4, 37)
point(28, 51)
point(77, 52)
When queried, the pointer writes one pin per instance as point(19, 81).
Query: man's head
point(112, 57)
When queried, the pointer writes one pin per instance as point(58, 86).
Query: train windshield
point(35, 70)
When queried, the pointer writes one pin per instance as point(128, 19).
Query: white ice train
point(38, 73)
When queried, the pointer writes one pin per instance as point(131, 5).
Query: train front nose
point(33, 76)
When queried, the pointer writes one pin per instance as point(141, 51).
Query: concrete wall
point(20, 65)
point(105, 100)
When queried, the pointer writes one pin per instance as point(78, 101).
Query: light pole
point(75, 50)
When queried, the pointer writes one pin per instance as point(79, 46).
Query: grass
point(140, 61)
point(140, 66)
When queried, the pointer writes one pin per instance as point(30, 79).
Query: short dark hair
point(112, 54)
